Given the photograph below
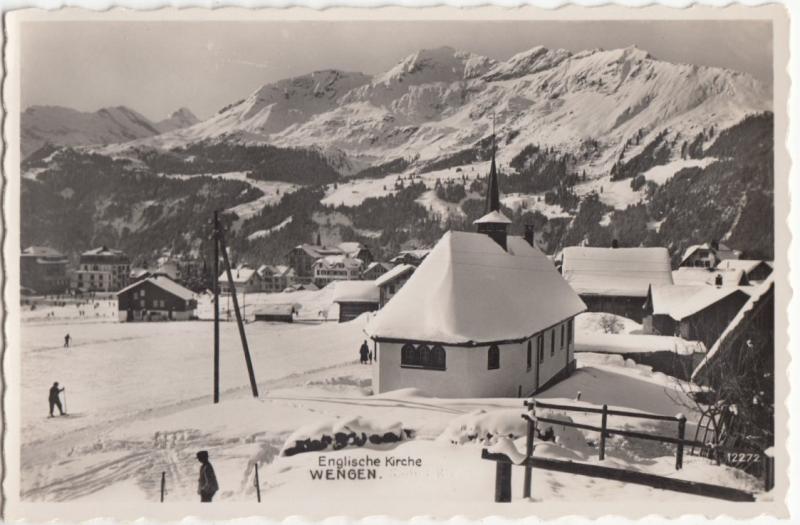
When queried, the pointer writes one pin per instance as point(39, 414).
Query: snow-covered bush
point(342, 433)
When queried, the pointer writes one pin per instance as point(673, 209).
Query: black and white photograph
point(382, 265)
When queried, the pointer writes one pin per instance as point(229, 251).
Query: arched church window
point(494, 357)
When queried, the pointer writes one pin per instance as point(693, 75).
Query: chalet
point(756, 271)
point(484, 315)
point(615, 280)
point(280, 313)
point(355, 298)
point(102, 269)
point(43, 270)
point(390, 283)
point(747, 342)
point(302, 257)
point(413, 257)
point(336, 268)
point(697, 313)
point(156, 298)
point(275, 278)
point(708, 255)
point(245, 279)
point(375, 269)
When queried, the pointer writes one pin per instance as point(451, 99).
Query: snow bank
point(341, 433)
point(634, 344)
point(592, 322)
point(487, 427)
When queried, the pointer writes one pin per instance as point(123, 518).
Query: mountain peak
point(180, 118)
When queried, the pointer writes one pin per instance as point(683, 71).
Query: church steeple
point(492, 190)
point(494, 223)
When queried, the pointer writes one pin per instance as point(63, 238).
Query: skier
point(364, 351)
point(66, 341)
point(370, 357)
point(55, 401)
point(207, 484)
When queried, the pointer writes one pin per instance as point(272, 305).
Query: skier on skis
point(54, 399)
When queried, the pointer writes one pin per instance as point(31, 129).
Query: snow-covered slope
point(603, 106)
point(64, 126)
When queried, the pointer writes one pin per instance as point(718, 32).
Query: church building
point(485, 315)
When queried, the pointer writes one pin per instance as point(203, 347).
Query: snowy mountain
point(62, 126)
point(440, 101)
point(181, 118)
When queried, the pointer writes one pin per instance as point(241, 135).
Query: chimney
point(614, 243)
point(529, 234)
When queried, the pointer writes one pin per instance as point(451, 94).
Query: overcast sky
point(156, 68)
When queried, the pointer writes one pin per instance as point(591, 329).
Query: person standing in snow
point(370, 357)
point(54, 399)
point(207, 484)
point(364, 351)
point(66, 341)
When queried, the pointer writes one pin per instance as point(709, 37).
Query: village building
point(708, 255)
point(485, 315)
point(615, 280)
point(302, 257)
point(390, 283)
point(413, 257)
point(102, 269)
point(156, 298)
point(43, 270)
point(275, 278)
point(756, 271)
point(245, 280)
point(375, 269)
point(355, 298)
point(276, 313)
point(693, 312)
point(336, 268)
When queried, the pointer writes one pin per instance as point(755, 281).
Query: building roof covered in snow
point(351, 248)
point(395, 273)
point(338, 261)
point(627, 272)
point(42, 251)
point(722, 251)
point(738, 324)
point(165, 283)
point(682, 301)
point(240, 275)
point(687, 275)
point(276, 309)
point(356, 292)
point(471, 291)
point(493, 217)
point(743, 265)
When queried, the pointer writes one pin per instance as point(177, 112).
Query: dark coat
point(54, 391)
point(207, 483)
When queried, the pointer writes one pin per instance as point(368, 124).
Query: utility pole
point(240, 324)
point(215, 285)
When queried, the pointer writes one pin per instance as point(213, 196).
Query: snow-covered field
point(139, 397)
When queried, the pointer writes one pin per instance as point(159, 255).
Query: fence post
point(258, 485)
point(163, 484)
point(502, 482)
point(526, 490)
point(681, 435)
point(603, 426)
point(769, 471)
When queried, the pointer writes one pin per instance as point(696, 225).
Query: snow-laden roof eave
point(469, 343)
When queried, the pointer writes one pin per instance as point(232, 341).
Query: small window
point(530, 354)
point(438, 358)
point(569, 331)
point(552, 342)
point(422, 357)
point(540, 348)
point(562, 335)
point(493, 358)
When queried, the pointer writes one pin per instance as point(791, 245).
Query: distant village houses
point(275, 278)
point(390, 283)
point(302, 257)
point(102, 269)
point(245, 280)
point(616, 280)
point(355, 298)
point(156, 298)
point(708, 255)
point(375, 269)
point(43, 270)
point(336, 268)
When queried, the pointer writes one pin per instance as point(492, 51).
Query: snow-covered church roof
point(471, 291)
point(627, 272)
